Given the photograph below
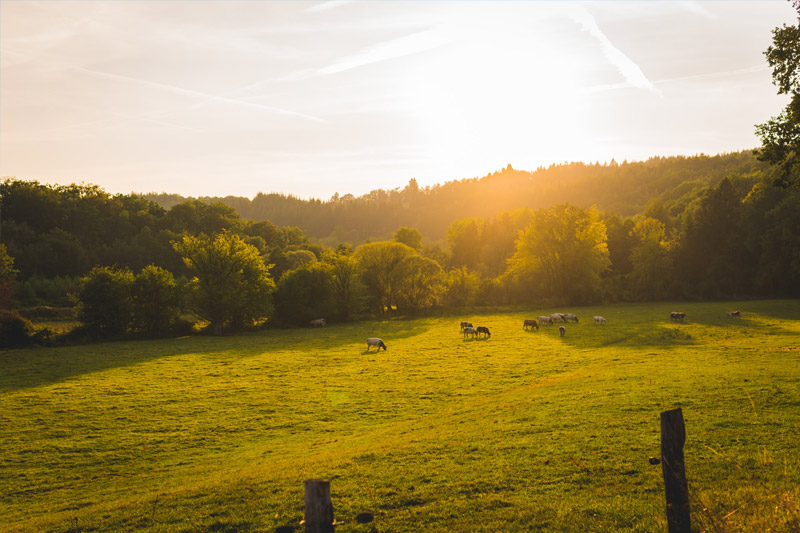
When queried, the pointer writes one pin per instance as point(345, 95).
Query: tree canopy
point(780, 136)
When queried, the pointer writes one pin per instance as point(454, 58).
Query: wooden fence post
point(673, 436)
point(319, 509)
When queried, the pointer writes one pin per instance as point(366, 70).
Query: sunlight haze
point(315, 98)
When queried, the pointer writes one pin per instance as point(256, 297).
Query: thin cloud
point(325, 6)
point(698, 9)
point(198, 94)
point(630, 71)
point(396, 48)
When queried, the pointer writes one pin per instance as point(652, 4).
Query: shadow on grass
point(33, 367)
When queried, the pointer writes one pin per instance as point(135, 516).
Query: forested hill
point(624, 189)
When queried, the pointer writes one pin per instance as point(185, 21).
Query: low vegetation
point(522, 431)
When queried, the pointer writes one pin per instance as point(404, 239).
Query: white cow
point(599, 320)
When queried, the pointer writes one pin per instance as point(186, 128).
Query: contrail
point(625, 66)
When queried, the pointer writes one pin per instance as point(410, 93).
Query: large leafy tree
point(381, 272)
point(305, 293)
point(231, 287)
point(421, 283)
point(347, 288)
point(104, 299)
point(155, 301)
point(708, 260)
point(780, 136)
point(562, 254)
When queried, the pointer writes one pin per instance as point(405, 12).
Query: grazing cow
point(374, 341)
point(562, 330)
point(545, 320)
point(599, 320)
point(677, 316)
point(318, 323)
point(570, 316)
point(469, 331)
point(735, 313)
point(466, 325)
point(530, 323)
point(558, 317)
point(484, 330)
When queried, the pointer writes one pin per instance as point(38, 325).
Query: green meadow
point(524, 431)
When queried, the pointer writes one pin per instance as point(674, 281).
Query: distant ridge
point(624, 189)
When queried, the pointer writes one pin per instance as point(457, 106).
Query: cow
point(469, 331)
point(545, 320)
point(558, 317)
point(599, 320)
point(484, 330)
point(318, 323)
point(562, 330)
point(466, 325)
point(374, 341)
point(677, 316)
point(570, 316)
point(530, 323)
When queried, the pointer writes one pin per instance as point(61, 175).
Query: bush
point(105, 300)
point(15, 331)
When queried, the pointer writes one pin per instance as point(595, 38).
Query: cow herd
point(470, 331)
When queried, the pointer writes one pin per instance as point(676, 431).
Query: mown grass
point(524, 431)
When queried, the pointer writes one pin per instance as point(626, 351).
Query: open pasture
point(521, 431)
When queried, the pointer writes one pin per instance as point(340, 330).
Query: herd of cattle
point(469, 330)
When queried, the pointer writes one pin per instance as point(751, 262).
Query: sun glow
point(496, 94)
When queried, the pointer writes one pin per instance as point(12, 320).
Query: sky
point(205, 98)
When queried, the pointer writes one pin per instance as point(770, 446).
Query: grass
point(525, 431)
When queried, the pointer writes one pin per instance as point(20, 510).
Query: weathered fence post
point(319, 509)
point(673, 435)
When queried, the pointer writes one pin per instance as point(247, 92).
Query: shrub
point(104, 300)
point(15, 331)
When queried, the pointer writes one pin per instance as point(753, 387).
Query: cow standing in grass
point(562, 330)
point(545, 320)
point(599, 320)
point(484, 330)
point(470, 332)
point(530, 323)
point(374, 341)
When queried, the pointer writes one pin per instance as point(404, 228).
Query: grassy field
point(525, 431)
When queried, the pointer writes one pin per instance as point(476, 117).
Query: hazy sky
point(312, 98)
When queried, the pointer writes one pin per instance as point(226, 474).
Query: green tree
point(463, 237)
point(651, 261)
point(709, 251)
point(7, 276)
point(562, 253)
point(461, 287)
point(780, 136)
point(410, 237)
point(381, 273)
point(155, 301)
point(231, 287)
point(421, 283)
point(304, 294)
point(347, 288)
point(104, 299)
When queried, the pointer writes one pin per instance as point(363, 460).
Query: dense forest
point(685, 228)
point(625, 189)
